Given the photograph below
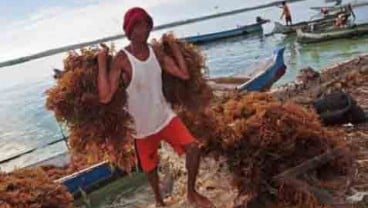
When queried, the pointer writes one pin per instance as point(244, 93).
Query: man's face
point(140, 32)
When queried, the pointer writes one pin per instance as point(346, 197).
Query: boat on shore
point(85, 180)
point(260, 79)
point(330, 34)
point(264, 79)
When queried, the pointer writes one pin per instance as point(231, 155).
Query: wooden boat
point(264, 80)
point(286, 30)
point(326, 21)
point(243, 30)
point(260, 79)
point(88, 179)
point(85, 180)
point(336, 33)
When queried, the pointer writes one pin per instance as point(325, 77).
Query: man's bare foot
point(160, 203)
point(199, 200)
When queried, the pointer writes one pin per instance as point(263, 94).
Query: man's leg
point(178, 136)
point(192, 165)
point(289, 21)
point(148, 159)
point(154, 182)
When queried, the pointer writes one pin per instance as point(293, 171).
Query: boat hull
point(265, 79)
point(244, 30)
point(313, 37)
point(317, 24)
point(85, 180)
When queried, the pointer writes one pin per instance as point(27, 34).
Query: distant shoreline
point(116, 37)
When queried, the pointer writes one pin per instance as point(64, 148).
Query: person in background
point(325, 11)
point(286, 13)
point(154, 120)
point(342, 19)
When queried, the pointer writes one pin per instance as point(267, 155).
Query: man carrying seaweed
point(154, 120)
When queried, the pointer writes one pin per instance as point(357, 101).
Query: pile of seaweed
point(261, 137)
point(32, 188)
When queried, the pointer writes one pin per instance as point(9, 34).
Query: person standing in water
point(286, 13)
point(154, 120)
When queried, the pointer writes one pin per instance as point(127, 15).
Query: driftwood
point(309, 165)
point(289, 177)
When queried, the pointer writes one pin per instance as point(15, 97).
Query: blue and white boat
point(261, 78)
point(85, 180)
point(240, 31)
point(264, 79)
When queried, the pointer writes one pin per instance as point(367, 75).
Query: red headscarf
point(132, 16)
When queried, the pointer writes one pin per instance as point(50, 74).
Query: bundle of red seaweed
point(32, 188)
point(98, 130)
point(193, 94)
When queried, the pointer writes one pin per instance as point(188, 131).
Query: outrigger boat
point(336, 33)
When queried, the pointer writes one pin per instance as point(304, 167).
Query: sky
point(21, 11)
point(34, 25)
point(30, 26)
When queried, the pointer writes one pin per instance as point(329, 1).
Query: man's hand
point(107, 80)
point(102, 56)
point(173, 45)
point(175, 65)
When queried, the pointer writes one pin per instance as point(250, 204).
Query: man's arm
point(283, 13)
point(108, 82)
point(179, 58)
point(178, 67)
point(172, 68)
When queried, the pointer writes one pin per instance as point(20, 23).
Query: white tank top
point(146, 102)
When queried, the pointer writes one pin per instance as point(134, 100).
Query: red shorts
point(175, 133)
